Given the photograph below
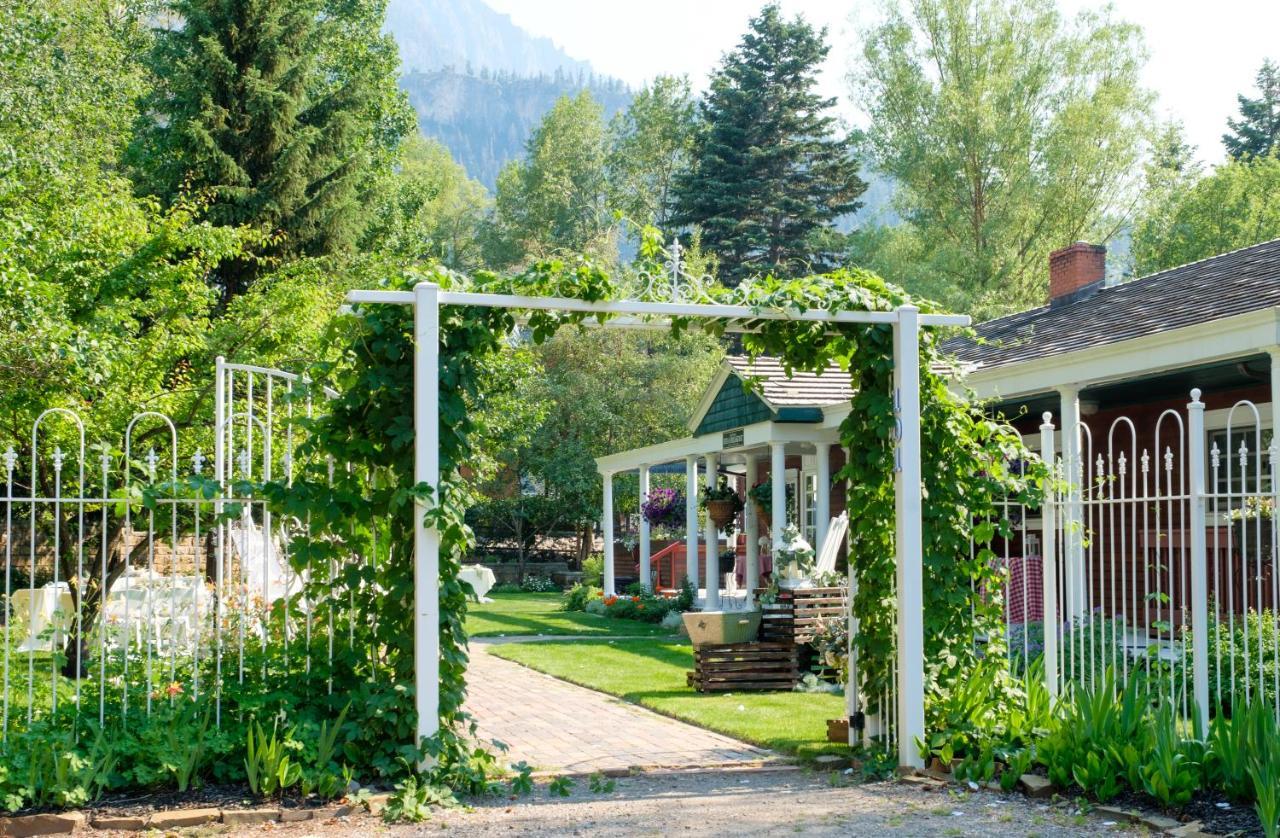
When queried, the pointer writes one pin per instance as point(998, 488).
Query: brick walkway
point(557, 726)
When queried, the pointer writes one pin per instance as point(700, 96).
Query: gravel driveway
point(740, 803)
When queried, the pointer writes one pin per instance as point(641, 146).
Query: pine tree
point(1257, 132)
point(769, 172)
point(280, 113)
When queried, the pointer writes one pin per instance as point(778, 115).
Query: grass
point(513, 614)
point(651, 673)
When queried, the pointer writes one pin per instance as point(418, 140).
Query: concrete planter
point(713, 628)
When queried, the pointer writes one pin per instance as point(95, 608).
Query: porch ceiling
point(1215, 377)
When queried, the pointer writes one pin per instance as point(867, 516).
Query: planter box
point(707, 628)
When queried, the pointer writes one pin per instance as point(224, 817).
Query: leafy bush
point(577, 597)
point(593, 571)
point(539, 585)
point(1230, 654)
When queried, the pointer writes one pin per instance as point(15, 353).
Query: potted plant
point(793, 560)
point(722, 504)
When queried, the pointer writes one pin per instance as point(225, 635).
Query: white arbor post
point(1199, 573)
point(691, 520)
point(1049, 557)
point(1073, 473)
point(646, 575)
point(606, 527)
point(426, 540)
point(751, 531)
point(823, 515)
point(852, 692)
point(712, 602)
point(778, 496)
point(909, 539)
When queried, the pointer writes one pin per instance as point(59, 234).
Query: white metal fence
point(138, 570)
point(1154, 559)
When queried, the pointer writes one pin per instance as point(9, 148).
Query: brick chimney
point(1076, 271)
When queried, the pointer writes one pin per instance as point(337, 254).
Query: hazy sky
point(1201, 53)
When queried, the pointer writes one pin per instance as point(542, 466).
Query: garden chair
point(836, 532)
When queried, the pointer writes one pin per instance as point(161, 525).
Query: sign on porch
point(732, 439)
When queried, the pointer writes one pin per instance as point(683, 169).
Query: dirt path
point(739, 803)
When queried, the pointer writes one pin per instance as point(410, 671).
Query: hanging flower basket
point(721, 512)
point(761, 495)
point(722, 504)
point(664, 508)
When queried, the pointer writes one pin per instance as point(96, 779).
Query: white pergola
point(427, 298)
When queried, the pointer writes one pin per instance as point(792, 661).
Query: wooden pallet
point(794, 615)
point(745, 667)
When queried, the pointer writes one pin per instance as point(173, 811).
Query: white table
point(480, 577)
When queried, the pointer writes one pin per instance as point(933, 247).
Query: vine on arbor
point(367, 509)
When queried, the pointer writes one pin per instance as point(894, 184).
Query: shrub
point(577, 597)
point(593, 571)
point(539, 585)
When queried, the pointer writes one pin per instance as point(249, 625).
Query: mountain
point(485, 118)
point(468, 36)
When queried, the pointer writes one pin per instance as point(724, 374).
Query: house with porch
point(1108, 366)
point(754, 421)
point(1115, 372)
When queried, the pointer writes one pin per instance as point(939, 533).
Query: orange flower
point(640, 607)
point(635, 599)
point(173, 690)
point(610, 600)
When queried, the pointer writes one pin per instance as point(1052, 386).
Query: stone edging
point(1036, 787)
point(65, 822)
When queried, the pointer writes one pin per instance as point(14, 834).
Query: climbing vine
point(366, 509)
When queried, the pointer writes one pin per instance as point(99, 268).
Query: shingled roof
point(1222, 286)
point(802, 389)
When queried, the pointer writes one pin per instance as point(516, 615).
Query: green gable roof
point(733, 407)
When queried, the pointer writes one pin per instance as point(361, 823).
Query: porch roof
point(1219, 287)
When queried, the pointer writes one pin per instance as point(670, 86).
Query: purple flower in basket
point(664, 508)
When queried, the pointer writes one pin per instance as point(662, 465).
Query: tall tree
point(1226, 210)
point(554, 201)
point(1009, 132)
point(282, 112)
point(770, 171)
point(652, 143)
point(1171, 172)
point(427, 209)
point(1257, 131)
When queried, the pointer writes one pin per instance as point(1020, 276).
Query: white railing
point(1155, 559)
point(135, 573)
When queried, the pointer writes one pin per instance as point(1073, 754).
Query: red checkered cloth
point(1024, 595)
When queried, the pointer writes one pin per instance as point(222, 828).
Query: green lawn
point(651, 673)
point(540, 614)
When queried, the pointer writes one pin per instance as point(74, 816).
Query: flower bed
point(637, 604)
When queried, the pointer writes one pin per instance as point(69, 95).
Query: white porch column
point(691, 519)
point(712, 602)
point(778, 499)
point(606, 524)
point(909, 538)
point(824, 495)
point(646, 575)
point(1073, 559)
point(426, 540)
point(751, 531)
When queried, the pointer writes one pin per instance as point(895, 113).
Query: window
point(810, 526)
point(1254, 478)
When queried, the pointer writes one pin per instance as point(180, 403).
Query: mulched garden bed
point(212, 796)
